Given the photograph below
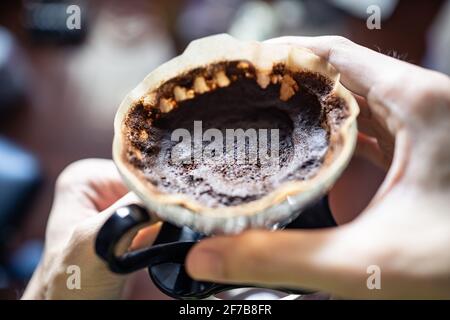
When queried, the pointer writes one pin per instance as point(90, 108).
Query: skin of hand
point(404, 126)
point(87, 193)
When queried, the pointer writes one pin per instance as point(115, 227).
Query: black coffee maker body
point(166, 257)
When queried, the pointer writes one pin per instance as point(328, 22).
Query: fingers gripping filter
point(172, 140)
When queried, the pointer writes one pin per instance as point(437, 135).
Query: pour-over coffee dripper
point(216, 77)
point(165, 258)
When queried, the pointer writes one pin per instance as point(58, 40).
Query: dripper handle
point(168, 251)
point(123, 221)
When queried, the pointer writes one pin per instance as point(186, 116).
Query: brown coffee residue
point(227, 96)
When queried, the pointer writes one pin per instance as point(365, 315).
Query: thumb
point(311, 259)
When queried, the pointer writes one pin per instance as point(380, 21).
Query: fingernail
point(205, 264)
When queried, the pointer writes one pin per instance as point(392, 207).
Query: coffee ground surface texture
point(233, 135)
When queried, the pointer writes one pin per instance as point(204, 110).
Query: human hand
point(87, 193)
point(405, 230)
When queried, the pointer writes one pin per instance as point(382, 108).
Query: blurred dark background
point(60, 87)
